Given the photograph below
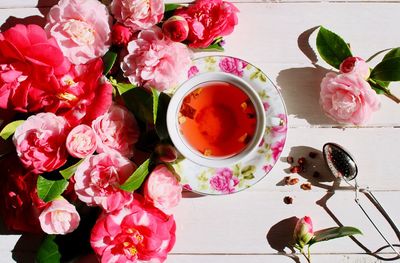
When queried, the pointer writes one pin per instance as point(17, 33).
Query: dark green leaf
point(137, 178)
point(171, 7)
point(108, 61)
point(155, 104)
point(140, 103)
point(49, 190)
point(387, 70)
point(48, 251)
point(335, 232)
point(10, 128)
point(332, 48)
point(395, 52)
point(161, 123)
point(70, 171)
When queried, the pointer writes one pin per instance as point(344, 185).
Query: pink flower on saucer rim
point(224, 181)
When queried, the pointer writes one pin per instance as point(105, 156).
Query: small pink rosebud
point(166, 153)
point(176, 28)
point(121, 35)
point(355, 65)
point(303, 231)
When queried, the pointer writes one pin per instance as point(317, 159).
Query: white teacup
point(178, 138)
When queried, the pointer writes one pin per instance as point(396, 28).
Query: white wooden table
point(253, 225)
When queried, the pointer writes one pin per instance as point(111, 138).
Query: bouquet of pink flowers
point(85, 144)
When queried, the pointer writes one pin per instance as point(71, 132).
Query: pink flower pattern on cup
point(224, 181)
point(232, 65)
point(282, 126)
point(193, 71)
point(81, 141)
point(277, 148)
point(59, 218)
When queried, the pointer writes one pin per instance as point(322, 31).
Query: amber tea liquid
point(217, 119)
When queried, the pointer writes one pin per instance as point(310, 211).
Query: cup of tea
point(216, 119)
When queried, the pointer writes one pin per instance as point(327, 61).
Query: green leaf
point(332, 48)
point(48, 251)
point(213, 47)
point(394, 53)
point(161, 123)
point(108, 61)
point(387, 70)
point(171, 7)
point(70, 171)
point(155, 104)
point(335, 232)
point(137, 178)
point(49, 190)
point(140, 103)
point(10, 128)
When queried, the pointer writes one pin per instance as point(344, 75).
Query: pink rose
point(348, 98)
point(162, 189)
point(121, 35)
point(59, 218)
point(224, 181)
point(176, 28)
point(303, 231)
point(232, 65)
point(82, 28)
point(137, 232)
point(208, 19)
point(98, 179)
point(277, 148)
point(116, 130)
point(81, 141)
point(40, 142)
point(282, 125)
point(154, 61)
point(355, 65)
point(26, 68)
point(137, 14)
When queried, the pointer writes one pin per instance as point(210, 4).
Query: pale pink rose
point(162, 189)
point(277, 148)
point(98, 179)
point(176, 28)
point(81, 141)
point(138, 14)
point(59, 218)
point(82, 28)
point(232, 65)
point(116, 130)
point(155, 61)
point(348, 98)
point(136, 233)
point(355, 65)
point(282, 126)
point(303, 231)
point(193, 71)
point(40, 142)
point(224, 181)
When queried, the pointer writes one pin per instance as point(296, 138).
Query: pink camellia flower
point(232, 65)
point(355, 65)
point(121, 35)
point(82, 28)
point(81, 141)
point(136, 233)
point(98, 179)
point(224, 181)
point(154, 61)
point(162, 189)
point(116, 130)
point(26, 68)
point(59, 218)
point(137, 14)
point(303, 231)
point(40, 142)
point(277, 148)
point(208, 19)
point(348, 98)
point(176, 28)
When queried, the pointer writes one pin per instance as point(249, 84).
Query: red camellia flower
point(136, 232)
point(29, 60)
point(207, 20)
point(121, 35)
point(20, 206)
point(176, 28)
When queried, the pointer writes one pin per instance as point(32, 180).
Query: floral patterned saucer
point(241, 175)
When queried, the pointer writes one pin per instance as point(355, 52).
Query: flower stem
point(307, 256)
point(377, 86)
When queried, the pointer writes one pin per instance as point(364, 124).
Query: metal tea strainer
point(343, 166)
